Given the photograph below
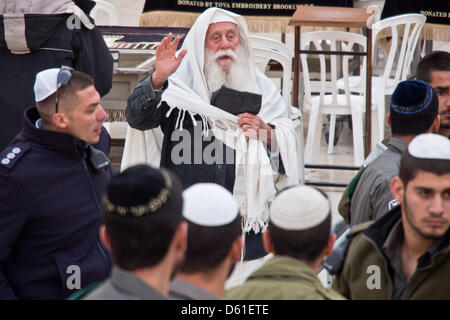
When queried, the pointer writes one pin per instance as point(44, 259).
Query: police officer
point(52, 176)
point(41, 34)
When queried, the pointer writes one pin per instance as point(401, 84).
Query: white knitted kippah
point(45, 84)
point(430, 146)
point(299, 208)
point(209, 205)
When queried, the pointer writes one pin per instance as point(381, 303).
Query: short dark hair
point(208, 246)
point(304, 245)
point(434, 61)
point(415, 123)
point(138, 242)
point(410, 167)
point(78, 81)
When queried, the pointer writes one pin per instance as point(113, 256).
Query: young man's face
point(222, 36)
point(426, 204)
point(440, 82)
point(86, 121)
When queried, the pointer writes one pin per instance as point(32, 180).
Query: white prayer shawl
point(255, 179)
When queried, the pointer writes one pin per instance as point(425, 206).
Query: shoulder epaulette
point(359, 228)
point(12, 154)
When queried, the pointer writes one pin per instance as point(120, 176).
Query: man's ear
point(105, 237)
point(436, 124)
point(397, 188)
point(60, 120)
point(267, 241)
point(388, 120)
point(236, 249)
point(329, 247)
point(179, 239)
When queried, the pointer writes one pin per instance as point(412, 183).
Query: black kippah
point(135, 186)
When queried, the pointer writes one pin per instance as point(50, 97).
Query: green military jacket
point(282, 278)
point(367, 273)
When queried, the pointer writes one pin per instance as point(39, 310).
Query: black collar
point(49, 138)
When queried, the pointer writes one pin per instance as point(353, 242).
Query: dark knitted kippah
point(411, 96)
point(141, 190)
point(135, 186)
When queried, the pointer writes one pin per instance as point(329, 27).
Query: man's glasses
point(62, 79)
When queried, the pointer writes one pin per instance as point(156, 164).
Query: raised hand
point(166, 61)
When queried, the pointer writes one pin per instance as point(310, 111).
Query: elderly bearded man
point(214, 145)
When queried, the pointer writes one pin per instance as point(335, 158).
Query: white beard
point(236, 77)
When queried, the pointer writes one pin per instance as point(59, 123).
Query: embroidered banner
point(436, 11)
point(250, 8)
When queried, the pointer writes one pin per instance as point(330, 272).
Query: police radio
point(98, 159)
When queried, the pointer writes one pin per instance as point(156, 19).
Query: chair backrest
point(403, 28)
point(264, 50)
point(262, 57)
point(109, 9)
point(334, 41)
point(262, 42)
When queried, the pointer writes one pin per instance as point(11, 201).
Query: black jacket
point(51, 44)
point(183, 152)
point(50, 213)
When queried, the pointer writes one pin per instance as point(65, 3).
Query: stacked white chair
point(264, 50)
point(405, 31)
point(331, 101)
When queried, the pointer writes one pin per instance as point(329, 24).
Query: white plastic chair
point(262, 57)
point(262, 42)
point(330, 101)
point(264, 50)
point(109, 9)
point(405, 30)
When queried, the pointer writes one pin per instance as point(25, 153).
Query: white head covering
point(430, 146)
point(209, 205)
point(299, 208)
point(45, 84)
point(190, 70)
point(220, 16)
